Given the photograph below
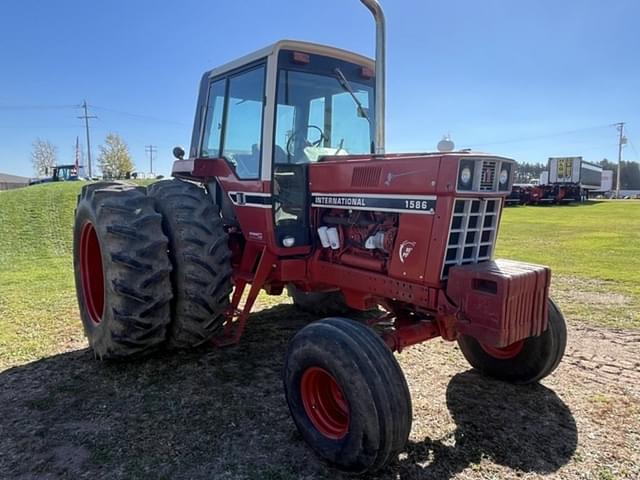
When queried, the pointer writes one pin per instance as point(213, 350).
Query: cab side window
point(233, 121)
point(213, 120)
point(242, 143)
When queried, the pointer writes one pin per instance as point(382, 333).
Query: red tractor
point(287, 185)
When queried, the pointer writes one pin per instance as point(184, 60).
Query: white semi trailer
point(572, 178)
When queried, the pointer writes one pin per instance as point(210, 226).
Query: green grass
point(38, 309)
point(594, 251)
point(599, 240)
point(38, 313)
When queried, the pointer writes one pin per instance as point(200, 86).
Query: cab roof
point(305, 47)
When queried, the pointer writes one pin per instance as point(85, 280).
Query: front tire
point(526, 361)
point(347, 394)
point(121, 270)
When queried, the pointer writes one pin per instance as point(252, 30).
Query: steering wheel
point(240, 164)
point(317, 143)
point(241, 168)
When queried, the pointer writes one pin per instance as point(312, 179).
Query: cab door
point(296, 128)
point(291, 204)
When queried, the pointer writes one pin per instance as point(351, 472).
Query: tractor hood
point(454, 173)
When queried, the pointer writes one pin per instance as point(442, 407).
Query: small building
point(7, 182)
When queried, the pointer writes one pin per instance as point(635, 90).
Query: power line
point(537, 137)
point(139, 116)
point(151, 149)
point(51, 127)
point(37, 107)
point(86, 118)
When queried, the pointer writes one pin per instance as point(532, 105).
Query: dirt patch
point(595, 302)
point(588, 292)
point(222, 414)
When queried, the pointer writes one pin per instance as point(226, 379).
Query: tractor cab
point(63, 173)
point(59, 173)
point(266, 117)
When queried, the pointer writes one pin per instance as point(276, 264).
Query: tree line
point(114, 159)
point(629, 173)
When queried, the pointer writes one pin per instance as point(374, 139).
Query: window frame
point(284, 63)
point(205, 117)
point(227, 76)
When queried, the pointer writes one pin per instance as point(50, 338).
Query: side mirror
point(178, 152)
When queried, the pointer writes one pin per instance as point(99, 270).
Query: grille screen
point(472, 235)
point(488, 178)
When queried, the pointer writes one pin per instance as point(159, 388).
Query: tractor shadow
point(201, 414)
point(212, 413)
point(528, 429)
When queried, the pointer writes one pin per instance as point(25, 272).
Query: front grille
point(472, 234)
point(488, 176)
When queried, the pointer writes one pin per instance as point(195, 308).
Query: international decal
point(341, 201)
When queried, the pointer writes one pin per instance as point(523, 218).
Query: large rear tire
point(201, 259)
point(526, 361)
point(347, 394)
point(121, 270)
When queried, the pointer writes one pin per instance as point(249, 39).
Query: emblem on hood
point(405, 249)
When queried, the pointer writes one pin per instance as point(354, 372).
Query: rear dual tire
point(199, 253)
point(121, 271)
point(347, 394)
point(152, 267)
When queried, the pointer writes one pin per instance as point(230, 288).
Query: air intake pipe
point(381, 40)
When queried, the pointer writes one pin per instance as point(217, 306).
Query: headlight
point(465, 175)
point(505, 175)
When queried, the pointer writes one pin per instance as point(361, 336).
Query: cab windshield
point(317, 116)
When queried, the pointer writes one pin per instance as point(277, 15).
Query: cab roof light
point(366, 73)
point(300, 58)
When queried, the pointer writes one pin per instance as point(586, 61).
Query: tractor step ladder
point(236, 316)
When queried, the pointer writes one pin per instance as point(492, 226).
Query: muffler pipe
point(381, 40)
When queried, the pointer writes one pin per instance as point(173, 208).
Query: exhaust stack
point(381, 40)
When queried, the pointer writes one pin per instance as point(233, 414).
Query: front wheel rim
point(504, 353)
point(91, 273)
point(324, 403)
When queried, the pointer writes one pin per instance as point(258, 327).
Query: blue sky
point(526, 79)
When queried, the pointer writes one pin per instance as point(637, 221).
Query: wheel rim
point(504, 353)
point(325, 403)
point(91, 273)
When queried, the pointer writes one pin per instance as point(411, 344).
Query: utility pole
point(77, 164)
point(150, 149)
point(86, 117)
point(621, 141)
